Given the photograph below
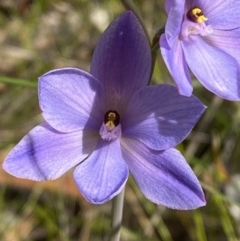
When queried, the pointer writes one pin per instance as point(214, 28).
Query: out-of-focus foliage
point(37, 36)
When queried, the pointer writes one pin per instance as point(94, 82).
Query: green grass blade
point(14, 81)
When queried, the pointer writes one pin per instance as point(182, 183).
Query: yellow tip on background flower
point(201, 19)
point(195, 14)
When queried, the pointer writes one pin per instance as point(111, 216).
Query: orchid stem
point(155, 48)
point(128, 4)
point(117, 211)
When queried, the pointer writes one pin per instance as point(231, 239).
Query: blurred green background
point(37, 36)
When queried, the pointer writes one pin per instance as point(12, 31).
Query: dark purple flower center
point(196, 15)
point(111, 119)
point(111, 127)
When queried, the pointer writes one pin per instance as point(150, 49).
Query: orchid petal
point(228, 41)
point(164, 177)
point(214, 68)
point(221, 14)
point(122, 61)
point(46, 154)
point(159, 117)
point(168, 4)
point(175, 10)
point(71, 99)
point(176, 63)
point(103, 174)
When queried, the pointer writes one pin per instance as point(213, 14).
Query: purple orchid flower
point(110, 122)
point(204, 36)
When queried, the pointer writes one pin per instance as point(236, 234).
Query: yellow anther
point(201, 19)
point(196, 15)
point(196, 11)
point(110, 124)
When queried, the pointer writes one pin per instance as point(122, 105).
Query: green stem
point(117, 211)
point(155, 48)
point(9, 80)
point(128, 4)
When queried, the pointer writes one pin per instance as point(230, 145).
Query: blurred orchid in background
point(204, 36)
point(109, 122)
